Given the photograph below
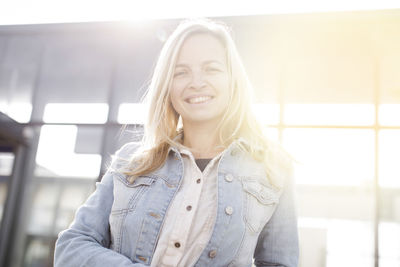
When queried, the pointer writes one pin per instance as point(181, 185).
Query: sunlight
point(389, 158)
point(329, 114)
point(75, 113)
point(132, 113)
point(332, 156)
point(20, 112)
point(46, 11)
point(266, 113)
point(389, 114)
point(56, 153)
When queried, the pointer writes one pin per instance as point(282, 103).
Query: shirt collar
point(236, 143)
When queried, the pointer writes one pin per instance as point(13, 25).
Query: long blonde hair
point(160, 129)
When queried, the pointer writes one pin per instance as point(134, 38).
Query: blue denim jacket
point(120, 223)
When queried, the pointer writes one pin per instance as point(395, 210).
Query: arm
point(86, 241)
point(278, 243)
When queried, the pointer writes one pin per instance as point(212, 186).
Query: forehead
point(201, 47)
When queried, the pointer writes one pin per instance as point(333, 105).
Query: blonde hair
point(160, 129)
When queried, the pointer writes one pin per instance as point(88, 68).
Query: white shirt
point(191, 216)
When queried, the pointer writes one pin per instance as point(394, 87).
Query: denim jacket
point(120, 223)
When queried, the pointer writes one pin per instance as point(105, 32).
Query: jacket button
point(229, 210)
point(229, 177)
point(234, 152)
point(177, 244)
point(212, 254)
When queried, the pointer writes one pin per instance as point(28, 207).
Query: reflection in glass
point(329, 114)
point(56, 157)
point(332, 156)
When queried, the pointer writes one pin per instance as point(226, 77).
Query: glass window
point(389, 114)
point(389, 243)
point(389, 158)
point(132, 113)
point(43, 208)
point(73, 195)
point(329, 114)
point(332, 156)
point(266, 113)
point(75, 113)
point(336, 242)
point(56, 154)
point(6, 163)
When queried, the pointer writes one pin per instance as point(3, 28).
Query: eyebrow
point(204, 63)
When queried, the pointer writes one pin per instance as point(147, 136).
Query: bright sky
point(58, 11)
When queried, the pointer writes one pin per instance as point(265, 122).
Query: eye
point(213, 69)
point(179, 73)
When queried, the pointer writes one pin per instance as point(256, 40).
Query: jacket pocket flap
point(141, 180)
point(263, 193)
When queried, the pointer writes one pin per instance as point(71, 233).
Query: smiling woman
point(214, 192)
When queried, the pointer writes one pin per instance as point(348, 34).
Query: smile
point(198, 99)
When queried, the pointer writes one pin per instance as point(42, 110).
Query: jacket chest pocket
point(260, 203)
point(126, 197)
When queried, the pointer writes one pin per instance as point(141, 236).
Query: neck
point(201, 139)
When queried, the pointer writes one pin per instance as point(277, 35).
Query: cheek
point(174, 98)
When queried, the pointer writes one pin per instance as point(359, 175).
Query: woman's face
point(200, 85)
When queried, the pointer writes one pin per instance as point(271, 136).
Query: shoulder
point(123, 155)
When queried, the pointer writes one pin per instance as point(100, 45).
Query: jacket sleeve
point(278, 243)
point(86, 241)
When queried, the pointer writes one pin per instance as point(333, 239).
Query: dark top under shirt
point(202, 163)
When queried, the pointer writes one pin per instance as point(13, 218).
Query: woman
point(204, 187)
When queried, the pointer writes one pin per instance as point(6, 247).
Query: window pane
point(75, 113)
point(334, 242)
point(267, 113)
point(21, 112)
point(332, 156)
point(72, 197)
point(389, 114)
point(42, 211)
point(329, 114)
point(132, 113)
point(389, 244)
point(6, 163)
point(389, 158)
point(56, 154)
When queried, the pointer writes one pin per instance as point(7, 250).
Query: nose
point(198, 80)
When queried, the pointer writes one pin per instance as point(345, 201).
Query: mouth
point(198, 99)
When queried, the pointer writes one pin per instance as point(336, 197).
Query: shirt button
point(177, 244)
point(188, 208)
point(229, 210)
point(212, 254)
point(198, 180)
point(229, 177)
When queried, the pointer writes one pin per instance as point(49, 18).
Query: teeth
point(199, 99)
